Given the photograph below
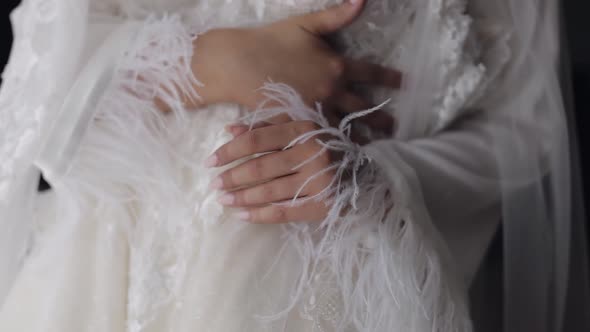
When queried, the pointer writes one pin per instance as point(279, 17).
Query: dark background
point(577, 30)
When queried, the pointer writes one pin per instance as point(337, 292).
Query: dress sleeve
point(455, 173)
point(64, 58)
point(149, 59)
point(45, 56)
point(456, 168)
point(378, 226)
point(104, 45)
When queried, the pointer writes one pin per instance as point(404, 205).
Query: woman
point(135, 236)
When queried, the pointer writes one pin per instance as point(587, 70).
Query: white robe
point(132, 239)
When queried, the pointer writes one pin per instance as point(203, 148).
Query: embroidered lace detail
point(461, 74)
point(322, 304)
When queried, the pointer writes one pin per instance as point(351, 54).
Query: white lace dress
point(131, 239)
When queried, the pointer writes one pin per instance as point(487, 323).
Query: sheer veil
point(525, 123)
point(47, 43)
point(545, 259)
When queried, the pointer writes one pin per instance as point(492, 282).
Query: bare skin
point(294, 52)
point(256, 183)
point(234, 63)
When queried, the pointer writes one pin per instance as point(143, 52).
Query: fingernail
point(229, 127)
point(227, 199)
point(235, 132)
point(354, 2)
point(237, 129)
point(243, 215)
point(216, 184)
point(211, 161)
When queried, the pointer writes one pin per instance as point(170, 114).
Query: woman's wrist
point(216, 65)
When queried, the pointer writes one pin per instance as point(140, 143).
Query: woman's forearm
point(233, 64)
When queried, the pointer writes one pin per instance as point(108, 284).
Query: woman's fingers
point(358, 71)
point(260, 169)
point(270, 178)
point(261, 140)
point(348, 102)
point(379, 120)
point(237, 129)
point(332, 19)
point(277, 190)
point(277, 214)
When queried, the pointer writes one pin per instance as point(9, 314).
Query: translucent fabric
point(131, 239)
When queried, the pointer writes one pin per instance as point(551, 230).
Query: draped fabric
point(131, 239)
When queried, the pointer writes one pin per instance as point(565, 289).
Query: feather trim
point(372, 232)
point(369, 258)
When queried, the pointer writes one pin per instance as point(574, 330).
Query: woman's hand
point(234, 63)
point(256, 183)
